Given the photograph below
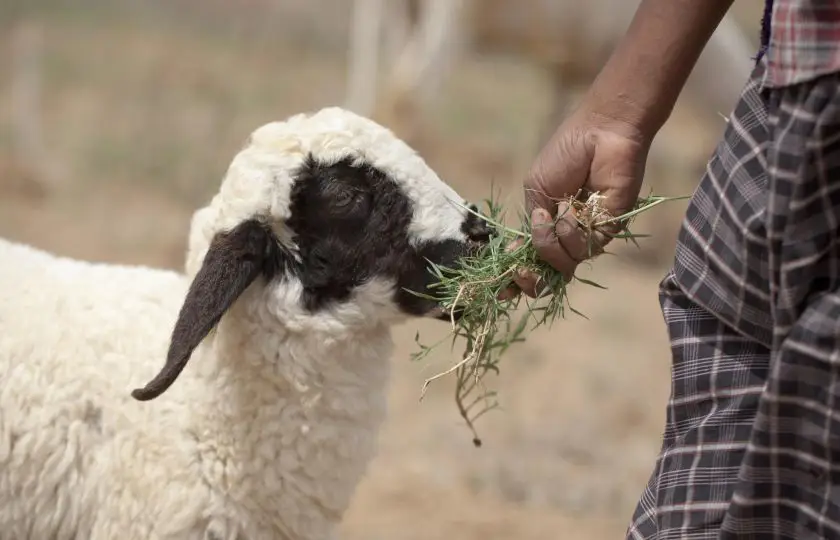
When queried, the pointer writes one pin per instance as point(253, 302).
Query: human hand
point(590, 152)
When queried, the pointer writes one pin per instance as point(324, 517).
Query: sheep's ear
point(233, 261)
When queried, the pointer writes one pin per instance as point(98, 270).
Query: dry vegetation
point(143, 107)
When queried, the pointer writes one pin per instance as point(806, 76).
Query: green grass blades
point(489, 325)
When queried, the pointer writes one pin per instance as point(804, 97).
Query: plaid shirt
point(800, 38)
point(751, 446)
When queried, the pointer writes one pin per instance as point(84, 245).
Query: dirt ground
point(142, 109)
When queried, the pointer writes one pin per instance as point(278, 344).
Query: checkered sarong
point(751, 447)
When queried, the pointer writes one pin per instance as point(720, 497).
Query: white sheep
point(295, 272)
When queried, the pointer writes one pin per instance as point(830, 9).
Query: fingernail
point(507, 294)
point(562, 208)
point(563, 227)
point(540, 217)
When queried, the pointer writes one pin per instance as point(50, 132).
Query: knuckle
point(564, 228)
point(548, 251)
point(543, 240)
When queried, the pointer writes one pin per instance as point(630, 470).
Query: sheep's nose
point(481, 233)
point(476, 229)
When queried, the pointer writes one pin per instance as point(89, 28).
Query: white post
point(27, 58)
point(363, 56)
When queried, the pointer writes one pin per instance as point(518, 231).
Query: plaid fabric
point(752, 439)
point(802, 40)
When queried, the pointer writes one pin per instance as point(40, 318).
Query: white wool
point(273, 421)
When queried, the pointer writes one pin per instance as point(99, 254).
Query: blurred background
point(119, 118)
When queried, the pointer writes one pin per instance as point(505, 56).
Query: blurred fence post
point(363, 60)
point(26, 94)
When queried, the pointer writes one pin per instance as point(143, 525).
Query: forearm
point(643, 78)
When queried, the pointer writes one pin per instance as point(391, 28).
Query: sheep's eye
point(349, 201)
point(345, 197)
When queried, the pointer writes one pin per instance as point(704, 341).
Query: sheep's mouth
point(419, 292)
point(456, 314)
point(473, 248)
point(442, 314)
point(470, 248)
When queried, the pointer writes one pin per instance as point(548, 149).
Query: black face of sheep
point(350, 223)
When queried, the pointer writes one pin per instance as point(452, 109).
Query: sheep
point(295, 273)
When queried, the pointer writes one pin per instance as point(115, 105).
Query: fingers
point(561, 243)
point(524, 281)
point(561, 168)
point(580, 244)
point(508, 294)
point(530, 284)
point(549, 248)
point(553, 241)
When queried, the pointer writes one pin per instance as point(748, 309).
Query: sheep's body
point(269, 429)
point(82, 459)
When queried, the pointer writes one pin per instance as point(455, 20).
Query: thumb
point(560, 169)
point(615, 176)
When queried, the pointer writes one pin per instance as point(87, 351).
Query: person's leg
point(716, 306)
point(789, 484)
point(717, 377)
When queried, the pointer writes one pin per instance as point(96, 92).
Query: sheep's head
point(334, 217)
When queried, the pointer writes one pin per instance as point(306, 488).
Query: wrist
point(620, 111)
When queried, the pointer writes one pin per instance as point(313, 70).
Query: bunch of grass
point(486, 323)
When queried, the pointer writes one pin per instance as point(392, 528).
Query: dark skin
point(604, 144)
